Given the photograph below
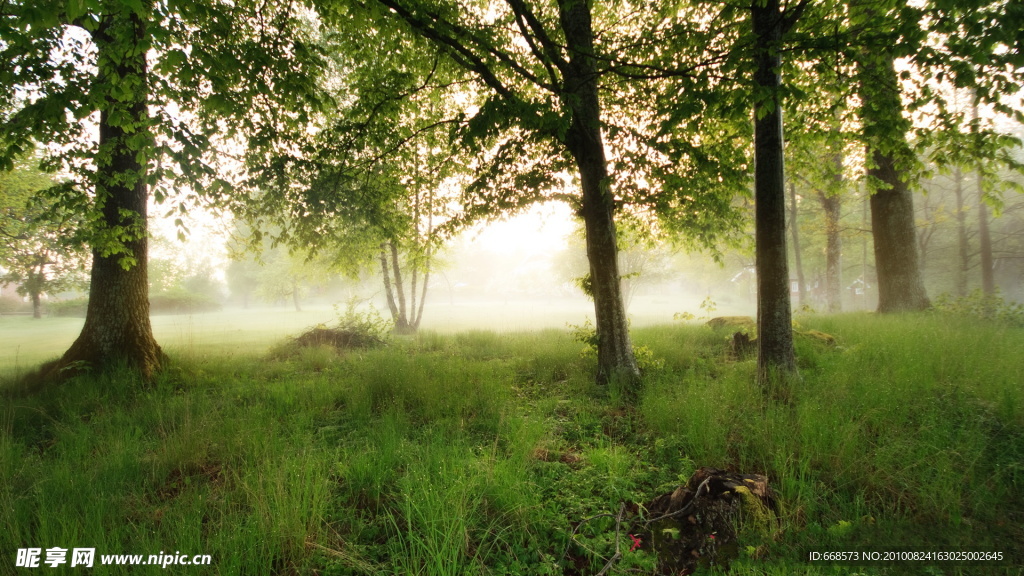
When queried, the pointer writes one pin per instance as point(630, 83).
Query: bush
point(168, 302)
point(68, 308)
point(977, 305)
point(179, 301)
point(14, 305)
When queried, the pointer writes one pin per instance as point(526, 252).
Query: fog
point(521, 272)
point(514, 274)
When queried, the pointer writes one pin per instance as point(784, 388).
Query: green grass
point(494, 453)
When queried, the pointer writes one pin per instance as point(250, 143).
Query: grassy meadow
point(476, 452)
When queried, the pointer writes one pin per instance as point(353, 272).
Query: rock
point(698, 523)
point(733, 322)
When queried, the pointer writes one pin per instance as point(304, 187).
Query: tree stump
point(698, 523)
point(743, 345)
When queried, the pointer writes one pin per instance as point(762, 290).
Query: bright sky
point(538, 231)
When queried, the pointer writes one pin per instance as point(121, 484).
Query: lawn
point(480, 452)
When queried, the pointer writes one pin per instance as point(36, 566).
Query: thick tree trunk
point(614, 350)
point(797, 259)
point(774, 316)
point(117, 328)
point(900, 286)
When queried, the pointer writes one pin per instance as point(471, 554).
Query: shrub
point(180, 301)
point(68, 308)
point(978, 305)
point(14, 305)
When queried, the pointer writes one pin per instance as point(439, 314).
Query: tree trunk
point(831, 203)
point(865, 221)
point(797, 260)
point(988, 282)
point(388, 291)
point(900, 286)
point(614, 350)
point(402, 323)
point(423, 297)
point(295, 295)
point(117, 328)
point(774, 316)
point(37, 306)
point(34, 285)
point(961, 233)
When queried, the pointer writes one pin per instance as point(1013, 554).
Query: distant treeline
point(173, 301)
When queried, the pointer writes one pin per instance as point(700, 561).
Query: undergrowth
point(485, 453)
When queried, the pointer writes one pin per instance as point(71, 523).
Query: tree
point(644, 258)
point(794, 228)
point(774, 315)
point(900, 285)
point(965, 45)
point(35, 251)
point(816, 160)
point(889, 161)
point(159, 81)
point(418, 245)
point(551, 95)
point(243, 278)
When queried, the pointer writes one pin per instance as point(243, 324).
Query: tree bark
point(774, 316)
point(897, 265)
point(797, 260)
point(117, 329)
point(584, 140)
